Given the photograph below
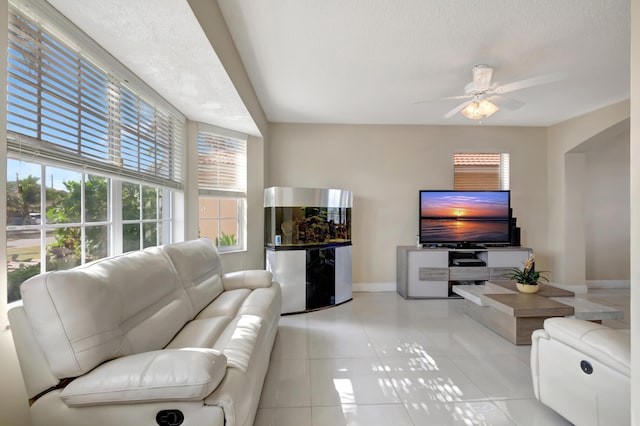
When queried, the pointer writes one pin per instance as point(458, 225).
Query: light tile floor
point(383, 360)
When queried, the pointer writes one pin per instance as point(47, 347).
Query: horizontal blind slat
point(221, 162)
point(477, 171)
point(66, 103)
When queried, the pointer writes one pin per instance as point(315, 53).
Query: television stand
point(469, 246)
point(430, 272)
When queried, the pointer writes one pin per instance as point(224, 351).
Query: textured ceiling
point(163, 44)
point(356, 61)
point(365, 61)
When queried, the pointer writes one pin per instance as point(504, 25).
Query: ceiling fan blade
point(535, 81)
point(457, 97)
point(505, 102)
point(457, 109)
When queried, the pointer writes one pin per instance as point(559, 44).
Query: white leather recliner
point(582, 370)
point(160, 336)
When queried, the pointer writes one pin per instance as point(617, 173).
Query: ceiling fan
point(483, 98)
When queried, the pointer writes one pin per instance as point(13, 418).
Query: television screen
point(464, 217)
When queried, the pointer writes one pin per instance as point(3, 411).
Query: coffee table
point(500, 307)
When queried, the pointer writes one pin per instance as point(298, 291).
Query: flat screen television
point(465, 218)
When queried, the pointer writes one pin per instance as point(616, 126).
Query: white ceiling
point(163, 44)
point(357, 61)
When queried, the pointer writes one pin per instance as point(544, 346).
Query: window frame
point(164, 169)
point(225, 188)
point(500, 171)
point(240, 219)
point(115, 224)
point(126, 113)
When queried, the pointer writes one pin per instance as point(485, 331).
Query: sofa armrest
point(37, 375)
point(188, 374)
point(604, 344)
point(247, 279)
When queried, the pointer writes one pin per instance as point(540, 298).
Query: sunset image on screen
point(465, 205)
point(464, 216)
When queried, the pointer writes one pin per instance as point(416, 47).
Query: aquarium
point(301, 217)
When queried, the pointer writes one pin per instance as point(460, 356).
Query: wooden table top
point(545, 290)
point(529, 305)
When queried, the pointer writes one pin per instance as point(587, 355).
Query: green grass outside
point(24, 254)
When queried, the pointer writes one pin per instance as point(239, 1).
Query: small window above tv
point(480, 171)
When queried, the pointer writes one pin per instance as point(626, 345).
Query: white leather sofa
point(159, 336)
point(582, 371)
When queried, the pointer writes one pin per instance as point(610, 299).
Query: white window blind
point(481, 171)
point(65, 106)
point(504, 171)
point(222, 163)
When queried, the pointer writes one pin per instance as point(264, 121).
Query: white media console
point(430, 272)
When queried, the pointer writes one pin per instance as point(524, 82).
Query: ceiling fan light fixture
point(477, 110)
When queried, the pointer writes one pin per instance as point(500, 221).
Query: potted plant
point(527, 279)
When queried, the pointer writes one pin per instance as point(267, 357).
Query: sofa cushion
point(200, 333)
point(241, 344)
point(251, 279)
point(225, 305)
point(177, 375)
point(260, 302)
point(198, 265)
point(112, 307)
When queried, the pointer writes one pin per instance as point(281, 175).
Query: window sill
point(222, 253)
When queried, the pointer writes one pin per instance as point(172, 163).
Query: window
point(222, 185)
point(62, 104)
point(66, 221)
point(78, 221)
point(94, 155)
point(219, 220)
point(480, 171)
point(146, 218)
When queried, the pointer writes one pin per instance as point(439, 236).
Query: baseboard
point(374, 287)
point(608, 283)
point(576, 288)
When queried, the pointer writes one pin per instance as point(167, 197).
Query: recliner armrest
point(251, 279)
point(188, 374)
point(607, 345)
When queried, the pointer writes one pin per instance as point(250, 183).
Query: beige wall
point(385, 166)
point(565, 183)
point(14, 403)
point(607, 211)
point(635, 210)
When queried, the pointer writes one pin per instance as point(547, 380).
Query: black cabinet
point(321, 278)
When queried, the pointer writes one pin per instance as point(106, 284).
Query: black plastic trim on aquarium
point(332, 306)
point(307, 246)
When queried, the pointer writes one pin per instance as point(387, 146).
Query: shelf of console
point(430, 272)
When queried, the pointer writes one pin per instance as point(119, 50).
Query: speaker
point(515, 236)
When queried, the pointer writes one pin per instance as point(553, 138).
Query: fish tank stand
point(308, 246)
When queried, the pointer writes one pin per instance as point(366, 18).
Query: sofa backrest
point(112, 307)
point(199, 268)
